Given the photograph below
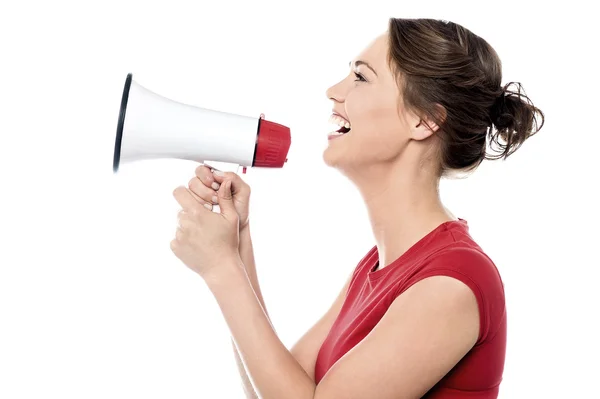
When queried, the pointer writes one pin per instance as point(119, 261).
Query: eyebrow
point(359, 62)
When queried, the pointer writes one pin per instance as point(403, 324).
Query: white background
point(93, 304)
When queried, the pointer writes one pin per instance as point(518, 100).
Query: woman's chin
point(331, 157)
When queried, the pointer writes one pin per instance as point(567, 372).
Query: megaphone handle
point(234, 167)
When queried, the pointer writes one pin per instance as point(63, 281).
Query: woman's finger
point(204, 174)
point(203, 194)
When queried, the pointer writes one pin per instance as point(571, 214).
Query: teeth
point(341, 122)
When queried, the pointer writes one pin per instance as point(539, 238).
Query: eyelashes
point(359, 77)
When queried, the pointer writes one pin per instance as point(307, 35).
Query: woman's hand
point(207, 181)
point(206, 241)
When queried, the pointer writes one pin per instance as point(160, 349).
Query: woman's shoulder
point(464, 255)
point(463, 259)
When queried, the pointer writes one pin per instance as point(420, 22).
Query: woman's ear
point(426, 125)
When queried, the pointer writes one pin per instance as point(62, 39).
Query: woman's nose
point(335, 93)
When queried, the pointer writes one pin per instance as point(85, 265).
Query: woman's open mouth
point(343, 126)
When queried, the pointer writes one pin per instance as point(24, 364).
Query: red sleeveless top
point(448, 250)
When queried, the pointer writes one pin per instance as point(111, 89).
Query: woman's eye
point(359, 77)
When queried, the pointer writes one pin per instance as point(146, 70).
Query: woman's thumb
point(237, 183)
point(220, 176)
point(226, 199)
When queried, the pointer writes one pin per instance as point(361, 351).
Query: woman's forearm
point(247, 255)
point(275, 372)
point(249, 391)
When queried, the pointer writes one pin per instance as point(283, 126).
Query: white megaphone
point(151, 126)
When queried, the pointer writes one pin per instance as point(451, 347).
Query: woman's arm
point(247, 256)
point(274, 371)
point(425, 332)
point(422, 336)
point(307, 347)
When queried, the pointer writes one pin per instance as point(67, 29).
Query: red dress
point(448, 250)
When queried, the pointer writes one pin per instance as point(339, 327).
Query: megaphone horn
point(151, 126)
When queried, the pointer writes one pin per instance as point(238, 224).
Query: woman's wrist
point(246, 251)
point(245, 228)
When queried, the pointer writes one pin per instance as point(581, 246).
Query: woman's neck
point(403, 206)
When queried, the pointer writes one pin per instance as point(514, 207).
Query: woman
point(423, 313)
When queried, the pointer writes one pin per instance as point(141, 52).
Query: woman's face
point(368, 99)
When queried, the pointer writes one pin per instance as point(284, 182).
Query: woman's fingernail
point(218, 173)
point(216, 185)
point(208, 206)
point(215, 199)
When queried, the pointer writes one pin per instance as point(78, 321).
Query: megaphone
point(151, 126)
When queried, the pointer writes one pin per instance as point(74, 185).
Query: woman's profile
point(423, 312)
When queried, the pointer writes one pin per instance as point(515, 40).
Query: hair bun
point(515, 119)
point(499, 114)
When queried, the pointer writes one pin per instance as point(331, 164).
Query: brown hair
point(442, 63)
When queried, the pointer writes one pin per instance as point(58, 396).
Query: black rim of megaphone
point(119, 137)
